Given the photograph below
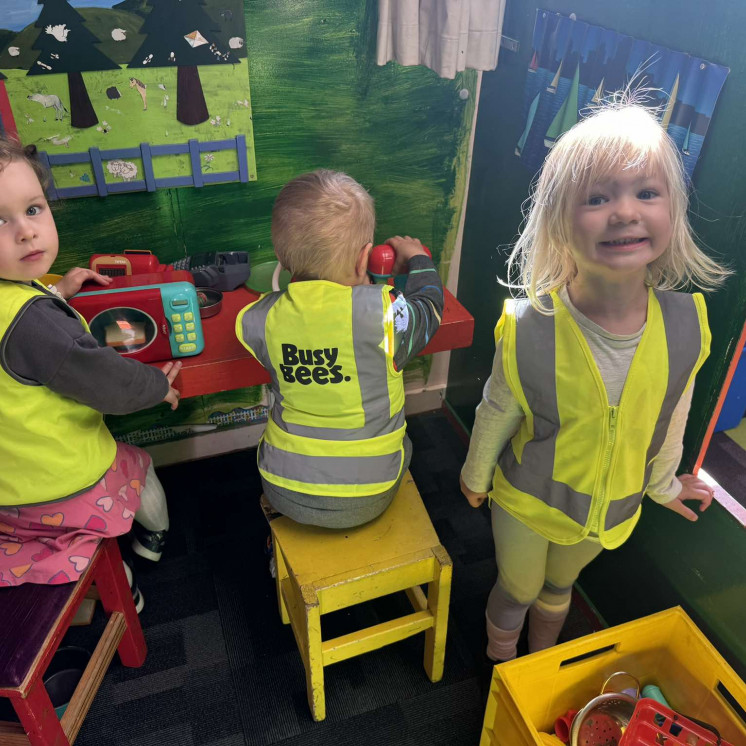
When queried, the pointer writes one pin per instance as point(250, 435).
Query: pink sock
point(544, 627)
point(501, 644)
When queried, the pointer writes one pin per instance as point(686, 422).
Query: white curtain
point(445, 35)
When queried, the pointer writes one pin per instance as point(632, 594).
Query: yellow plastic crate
point(666, 649)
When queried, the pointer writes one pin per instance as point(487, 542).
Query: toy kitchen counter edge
point(225, 364)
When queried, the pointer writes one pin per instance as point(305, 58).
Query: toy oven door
point(139, 330)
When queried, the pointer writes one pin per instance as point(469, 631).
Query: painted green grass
point(124, 122)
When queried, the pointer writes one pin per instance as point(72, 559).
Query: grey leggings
point(531, 567)
point(334, 512)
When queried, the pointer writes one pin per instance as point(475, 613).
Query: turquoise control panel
point(182, 310)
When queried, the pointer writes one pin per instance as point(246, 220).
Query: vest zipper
point(613, 413)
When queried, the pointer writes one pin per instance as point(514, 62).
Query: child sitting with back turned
point(335, 449)
point(593, 373)
point(64, 482)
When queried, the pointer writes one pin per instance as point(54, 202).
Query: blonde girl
point(592, 379)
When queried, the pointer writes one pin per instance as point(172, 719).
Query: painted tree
point(65, 45)
point(180, 33)
point(132, 6)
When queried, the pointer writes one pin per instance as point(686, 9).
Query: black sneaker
point(137, 597)
point(148, 544)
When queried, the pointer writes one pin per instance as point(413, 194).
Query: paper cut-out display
point(75, 80)
point(195, 39)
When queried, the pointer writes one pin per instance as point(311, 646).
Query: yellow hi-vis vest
point(577, 462)
point(51, 447)
point(336, 424)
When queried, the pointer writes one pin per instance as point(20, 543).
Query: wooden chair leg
point(39, 719)
point(115, 593)
point(314, 658)
point(438, 598)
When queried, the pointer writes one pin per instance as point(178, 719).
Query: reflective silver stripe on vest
point(575, 505)
point(330, 469)
point(681, 321)
point(535, 355)
point(370, 360)
point(253, 326)
point(254, 323)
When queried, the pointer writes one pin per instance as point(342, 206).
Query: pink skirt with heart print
point(54, 542)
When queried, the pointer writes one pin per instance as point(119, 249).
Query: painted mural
point(575, 64)
point(319, 100)
point(129, 95)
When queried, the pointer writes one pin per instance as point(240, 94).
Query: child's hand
point(693, 488)
point(71, 282)
point(172, 370)
point(475, 498)
point(405, 249)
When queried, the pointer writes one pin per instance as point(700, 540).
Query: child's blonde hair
point(320, 221)
point(620, 134)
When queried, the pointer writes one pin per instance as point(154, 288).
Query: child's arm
point(171, 370)
point(692, 488)
point(49, 346)
point(665, 487)
point(74, 279)
point(417, 313)
point(497, 419)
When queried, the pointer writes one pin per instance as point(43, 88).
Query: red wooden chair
point(34, 621)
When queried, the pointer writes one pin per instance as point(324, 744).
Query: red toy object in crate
point(652, 723)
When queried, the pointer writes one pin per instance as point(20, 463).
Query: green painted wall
point(318, 100)
point(667, 561)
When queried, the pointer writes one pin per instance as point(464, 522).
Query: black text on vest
point(307, 366)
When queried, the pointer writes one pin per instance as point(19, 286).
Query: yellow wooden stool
point(321, 570)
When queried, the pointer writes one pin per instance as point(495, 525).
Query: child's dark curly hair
point(12, 151)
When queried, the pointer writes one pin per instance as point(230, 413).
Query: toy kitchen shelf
point(225, 364)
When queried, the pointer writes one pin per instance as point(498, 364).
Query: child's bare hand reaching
point(172, 370)
point(693, 488)
point(72, 281)
point(405, 248)
point(475, 498)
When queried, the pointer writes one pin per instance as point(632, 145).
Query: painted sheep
point(126, 169)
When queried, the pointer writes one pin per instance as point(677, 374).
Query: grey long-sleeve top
point(418, 312)
point(47, 345)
